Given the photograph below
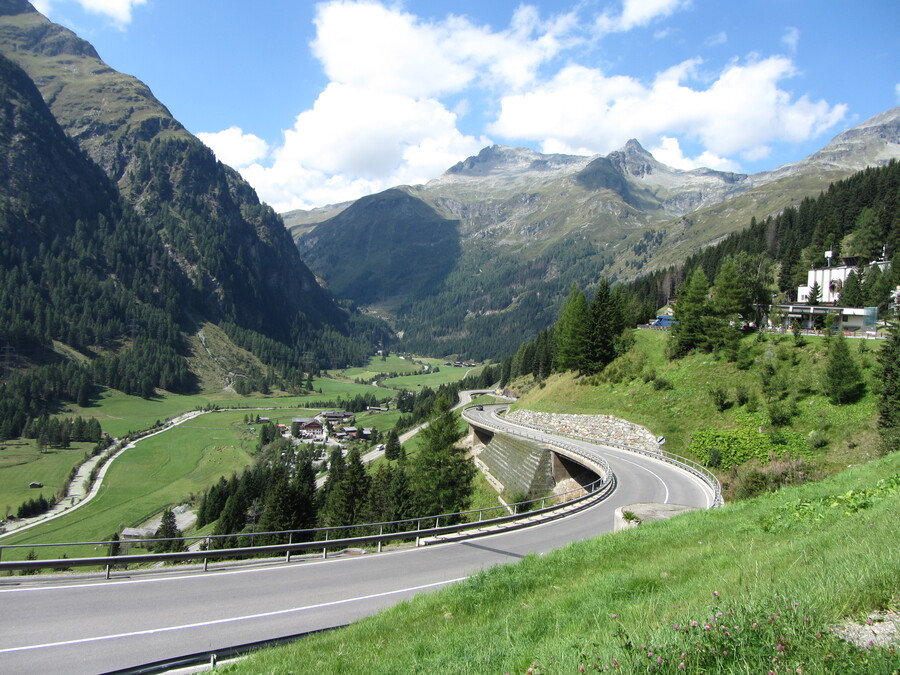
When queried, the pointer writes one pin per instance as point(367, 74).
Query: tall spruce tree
point(345, 501)
point(606, 321)
point(168, 529)
point(889, 396)
point(440, 474)
point(851, 291)
point(392, 447)
point(842, 380)
point(691, 309)
point(572, 332)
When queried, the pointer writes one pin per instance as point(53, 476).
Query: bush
point(661, 383)
point(817, 439)
point(781, 412)
point(719, 398)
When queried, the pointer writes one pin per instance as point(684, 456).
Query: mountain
point(531, 224)
point(121, 206)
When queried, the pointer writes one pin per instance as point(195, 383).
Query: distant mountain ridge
point(618, 215)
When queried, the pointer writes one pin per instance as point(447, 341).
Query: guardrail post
point(380, 534)
point(107, 570)
point(325, 549)
point(287, 556)
point(205, 564)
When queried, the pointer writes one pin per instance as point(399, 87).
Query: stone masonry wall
point(597, 427)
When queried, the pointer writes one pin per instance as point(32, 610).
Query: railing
point(688, 465)
point(418, 529)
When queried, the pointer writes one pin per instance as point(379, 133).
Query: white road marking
point(250, 617)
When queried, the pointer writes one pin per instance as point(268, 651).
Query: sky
point(319, 103)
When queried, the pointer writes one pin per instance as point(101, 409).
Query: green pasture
point(120, 413)
point(383, 421)
point(332, 389)
point(21, 463)
point(378, 366)
point(444, 375)
point(162, 470)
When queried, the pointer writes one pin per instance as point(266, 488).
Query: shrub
point(781, 412)
point(661, 383)
point(719, 398)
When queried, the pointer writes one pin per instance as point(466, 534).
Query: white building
point(848, 319)
point(831, 281)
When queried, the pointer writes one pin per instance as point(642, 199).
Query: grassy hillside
point(768, 585)
point(675, 399)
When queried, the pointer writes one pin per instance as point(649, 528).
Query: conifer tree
point(690, 331)
point(606, 321)
point(815, 294)
point(345, 501)
point(851, 292)
point(392, 446)
point(168, 529)
point(440, 474)
point(572, 332)
point(889, 396)
point(379, 507)
point(280, 510)
point(843, 379)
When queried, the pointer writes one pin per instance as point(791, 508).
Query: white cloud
point(638, 13)
point(235, 148)
point(791, 39)
point(719, 38)
point(399, 85)
point(118, 11)
point(359, 139)
point(669, 152)
point(897, 92)
point(380, 121)
point(740, 112)
point(368, 45)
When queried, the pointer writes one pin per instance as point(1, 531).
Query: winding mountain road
point(89, 626)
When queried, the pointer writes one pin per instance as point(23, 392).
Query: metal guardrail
point(688, 465)
point(584, 496)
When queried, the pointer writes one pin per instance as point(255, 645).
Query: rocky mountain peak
point(634, 160)
point(501, 159)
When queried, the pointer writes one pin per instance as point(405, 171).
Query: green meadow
point(162, 470)
point(21, 463)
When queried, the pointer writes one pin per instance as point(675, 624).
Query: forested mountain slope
point(121, 233)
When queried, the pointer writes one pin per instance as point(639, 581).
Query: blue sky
point(318, 103)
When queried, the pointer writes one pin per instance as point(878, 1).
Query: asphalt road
point(95, 626)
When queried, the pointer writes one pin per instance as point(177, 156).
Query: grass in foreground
point(755, 587)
